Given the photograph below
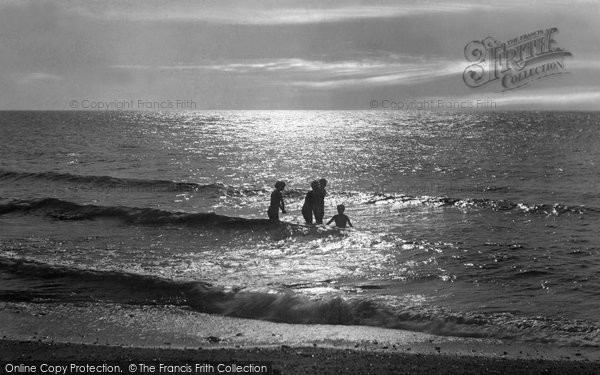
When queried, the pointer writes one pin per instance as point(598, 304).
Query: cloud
point(318, 74)
point(290, 12)
point(567, 98)
point(275, 53)
point(40, 77)
point(586, 63)
point(273, 65)
point(389, 75)
point(578, 96)
point(275, 13)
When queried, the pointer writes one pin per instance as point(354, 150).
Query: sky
point(282, 54)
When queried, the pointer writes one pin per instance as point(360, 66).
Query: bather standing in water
point(307, 208)
point(276, 202)
point(319, 201)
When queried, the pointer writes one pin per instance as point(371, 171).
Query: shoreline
point(101, 332)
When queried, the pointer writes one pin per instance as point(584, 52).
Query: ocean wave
point(109, 183)
point(479, 203)
point(58, 209)
point(503, 205)
point(65, 210)
point(106, 181)
point(366, 198)
point(70, 284)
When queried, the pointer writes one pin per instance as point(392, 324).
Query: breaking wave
point(69, 284)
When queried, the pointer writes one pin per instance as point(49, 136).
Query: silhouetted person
point(276, 202)
point(319, 201)
point(340, 219)
point(307, 208)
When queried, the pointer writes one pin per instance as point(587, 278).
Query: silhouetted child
point(276, 202)
point(340, 219)
point(307, 208)
point(319, 201)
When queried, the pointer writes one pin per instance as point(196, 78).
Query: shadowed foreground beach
point(168, 334)
point(301, 360)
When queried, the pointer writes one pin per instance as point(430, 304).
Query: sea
point(470, 224)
